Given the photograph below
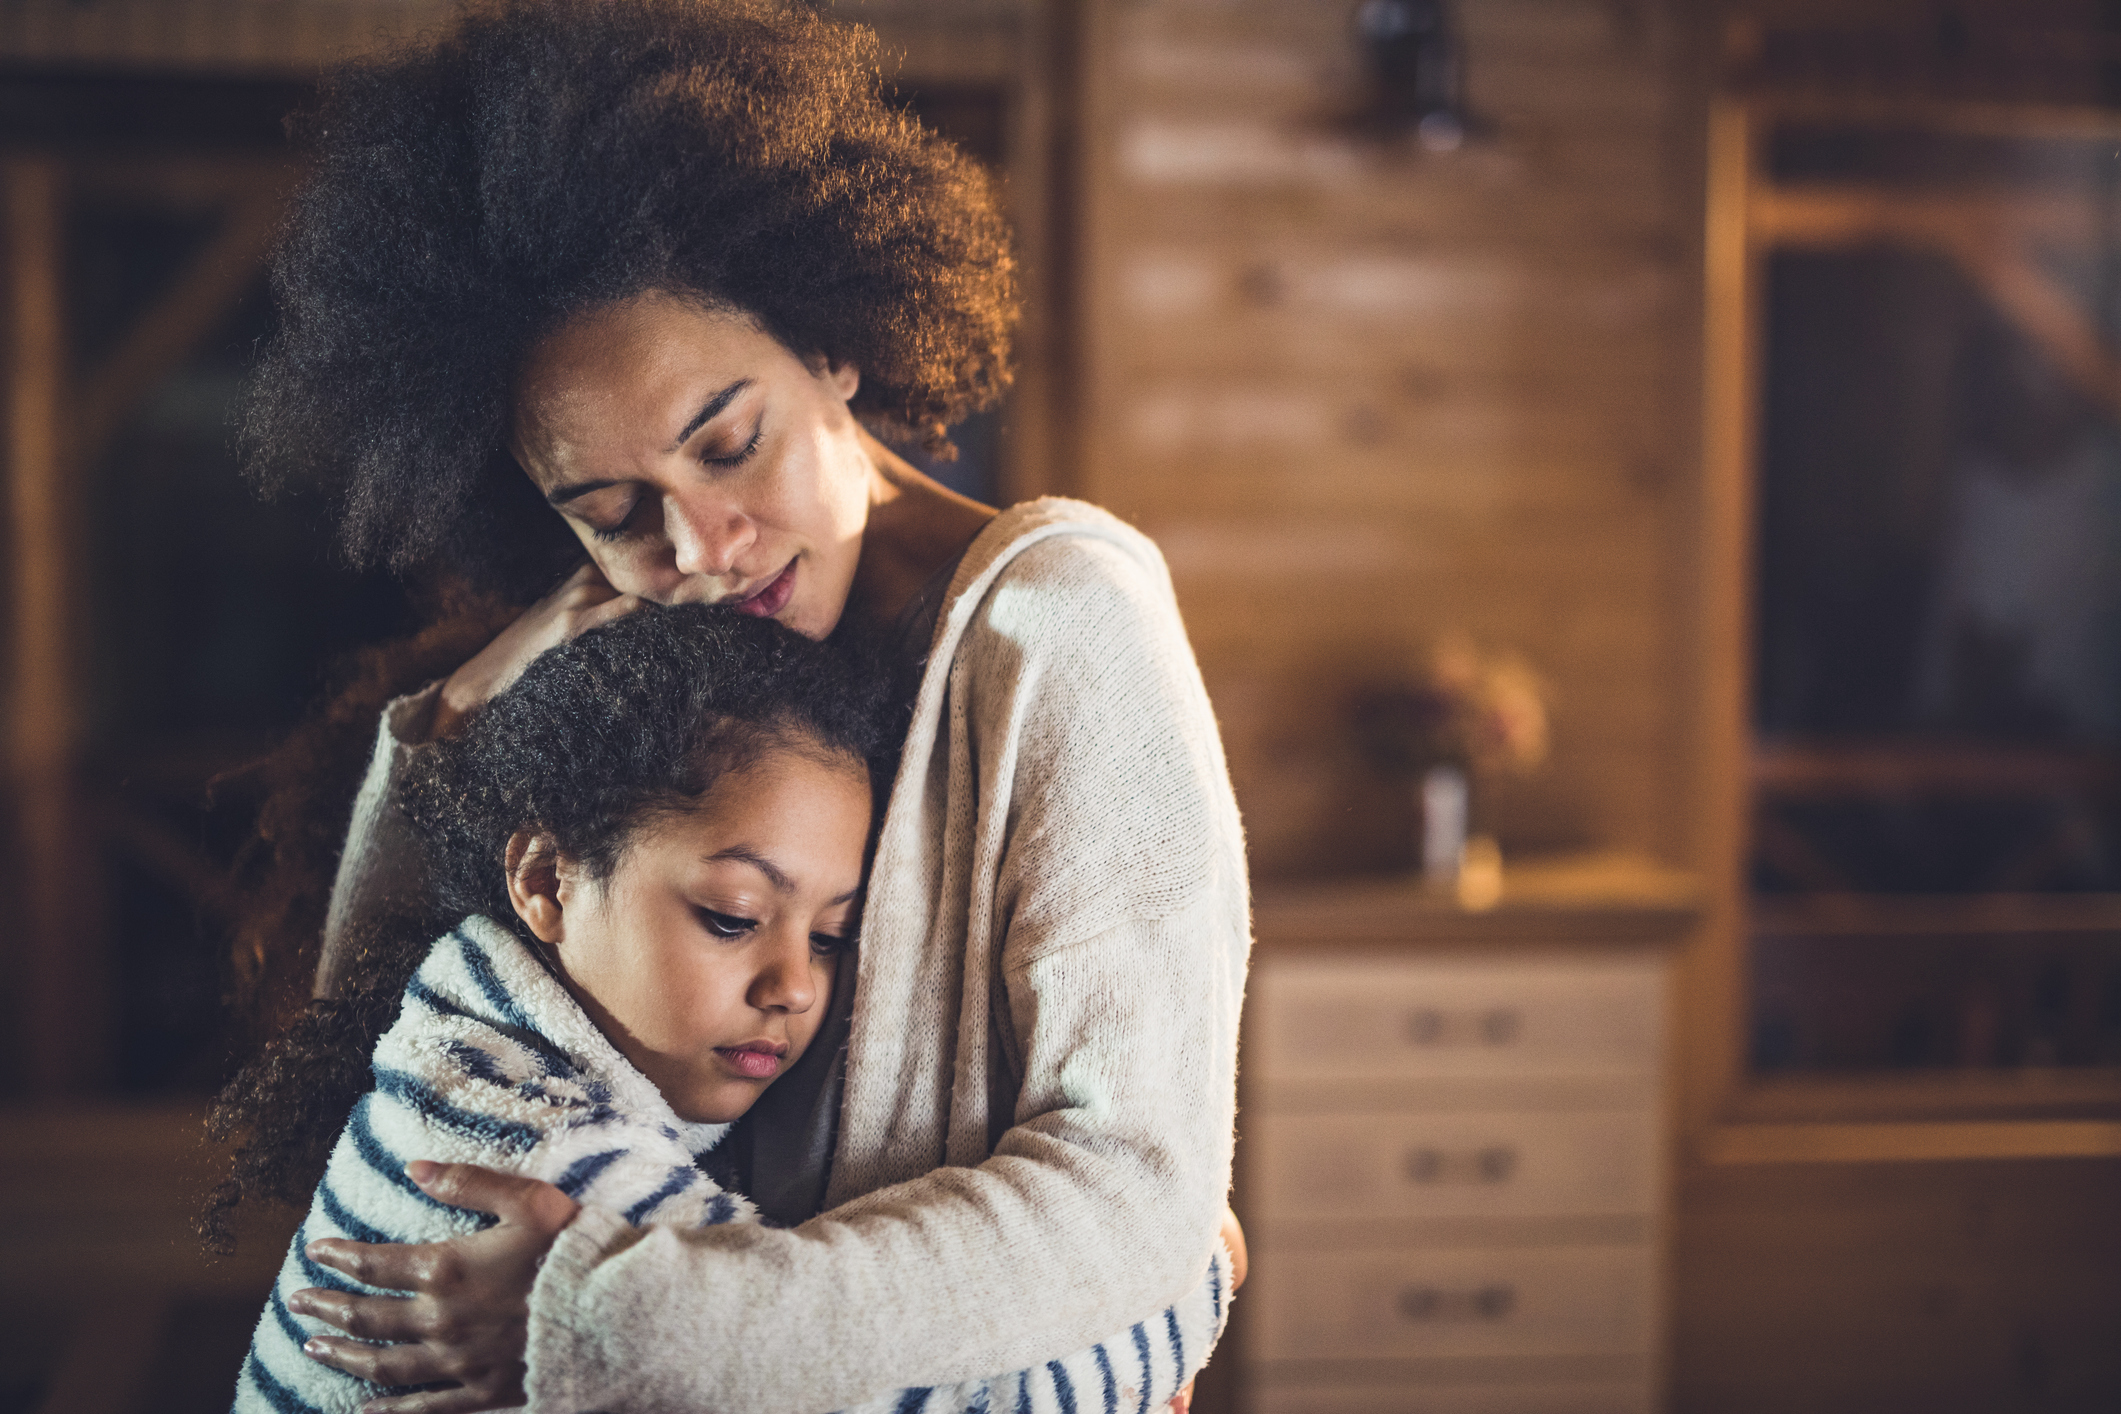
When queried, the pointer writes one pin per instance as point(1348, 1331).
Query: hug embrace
point(795, 963)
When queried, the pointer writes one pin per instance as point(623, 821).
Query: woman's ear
point(845, 378)
point(533, 865)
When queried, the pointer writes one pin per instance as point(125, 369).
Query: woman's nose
point(705, 538)
point(786, 980)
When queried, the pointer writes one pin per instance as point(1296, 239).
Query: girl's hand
point(467, 1324)
point(582, 601)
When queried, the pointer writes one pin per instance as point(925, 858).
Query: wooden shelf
point(1915, 770)
point(1946, 915)
point(1970, 1094)
point(1604, 898)
point(1910, 1142)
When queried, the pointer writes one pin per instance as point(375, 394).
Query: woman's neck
point(916, 526)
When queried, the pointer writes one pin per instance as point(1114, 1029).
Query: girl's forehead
point(793, 806)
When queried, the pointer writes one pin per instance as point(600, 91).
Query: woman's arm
point(382, 873)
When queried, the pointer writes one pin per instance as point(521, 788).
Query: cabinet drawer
point(1452, 1165)
point(1414, 1397)
point(1399, 1017)
point(1416, 1303)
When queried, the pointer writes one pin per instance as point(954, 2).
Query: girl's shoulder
point(489, 1048)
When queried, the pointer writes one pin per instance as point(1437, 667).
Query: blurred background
point(1643, 478)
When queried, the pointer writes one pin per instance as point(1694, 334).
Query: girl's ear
point(533, 865)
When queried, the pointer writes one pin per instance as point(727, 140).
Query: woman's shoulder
point(1058, 572)
point(1059, 536)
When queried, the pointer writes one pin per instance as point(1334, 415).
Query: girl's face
point(708, 953)
point(697, 460)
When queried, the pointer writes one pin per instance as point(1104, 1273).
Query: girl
point(630, 287)
point(657, 837)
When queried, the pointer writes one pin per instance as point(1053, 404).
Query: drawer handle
point(1497, 1026)
point(1497, 1163)
point(1481, 1303)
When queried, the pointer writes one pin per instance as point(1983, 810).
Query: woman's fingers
point(604, 612)
point(459, 1399)
point(390, 1265)
point(467, 1322)
point(378, 1364)
point(518, 1201)
point(368, 1317)
point(583, 600)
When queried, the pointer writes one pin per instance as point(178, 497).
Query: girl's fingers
point(514, 1199)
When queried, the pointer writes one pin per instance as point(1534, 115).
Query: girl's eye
point(830, 944)
point(726, 925)
point(739, 457)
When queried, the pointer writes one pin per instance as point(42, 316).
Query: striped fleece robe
point(492, 1062)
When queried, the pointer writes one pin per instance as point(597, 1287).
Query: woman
point(656, 262)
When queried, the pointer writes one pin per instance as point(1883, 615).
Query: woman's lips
point(770, 599)
point(757, 1061)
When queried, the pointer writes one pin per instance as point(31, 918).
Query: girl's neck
point(916, 527)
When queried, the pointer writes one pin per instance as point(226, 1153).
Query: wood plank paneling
point(1366, 397)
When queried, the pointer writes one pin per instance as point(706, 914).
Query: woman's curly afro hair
point(632, 721)
point(547, 156)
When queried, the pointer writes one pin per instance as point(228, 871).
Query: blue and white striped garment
point(491, 1062)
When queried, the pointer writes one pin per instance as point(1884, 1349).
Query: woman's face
point(707, 955)
point(698, 460)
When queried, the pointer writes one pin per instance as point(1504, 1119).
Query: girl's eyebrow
point(775, 875)
point(744, 854)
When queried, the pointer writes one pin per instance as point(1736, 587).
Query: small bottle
point(1445, 797)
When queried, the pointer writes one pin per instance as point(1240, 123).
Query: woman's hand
point(468, 1323)
point(581, 602)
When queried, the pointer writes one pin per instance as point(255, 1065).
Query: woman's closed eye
point(831, 944)
point(740, 455)
point(621, 526)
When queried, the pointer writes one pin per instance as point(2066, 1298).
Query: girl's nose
point(705, 538)
point(786, 981)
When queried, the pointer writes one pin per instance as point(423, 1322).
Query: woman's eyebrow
point(561, 495)
point(707, 410)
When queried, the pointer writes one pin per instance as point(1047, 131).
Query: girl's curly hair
point(547, 156)
point(599, 738)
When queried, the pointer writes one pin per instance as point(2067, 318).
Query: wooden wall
point(1366, 396)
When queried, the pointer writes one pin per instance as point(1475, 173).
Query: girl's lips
point(749, 1063)
point(764, 603)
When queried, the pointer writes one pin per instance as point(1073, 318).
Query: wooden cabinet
point(1452, 1147)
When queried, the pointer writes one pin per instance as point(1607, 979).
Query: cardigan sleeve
point(1116, 865)
point(382, 872)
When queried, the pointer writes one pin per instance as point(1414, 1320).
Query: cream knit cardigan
point(1035, 1140)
